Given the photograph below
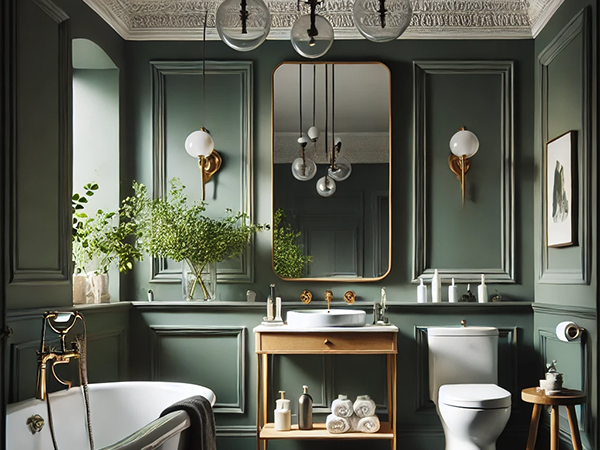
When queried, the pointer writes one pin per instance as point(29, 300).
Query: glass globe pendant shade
point(313, 133)
point(312, 42)
point(341, 171)
point(464, 142)
point(381, 20)
point(304, 173)
point(199, 143)
point(326, 186)
point(232, 30)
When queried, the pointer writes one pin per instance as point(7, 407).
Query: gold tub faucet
point(61, 323)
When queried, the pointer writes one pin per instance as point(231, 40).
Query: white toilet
point(463, 372)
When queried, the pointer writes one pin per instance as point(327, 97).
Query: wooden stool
point(568, 398)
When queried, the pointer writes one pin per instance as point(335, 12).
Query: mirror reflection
point(331, 171)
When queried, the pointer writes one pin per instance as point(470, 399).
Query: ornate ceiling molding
point(432, 19)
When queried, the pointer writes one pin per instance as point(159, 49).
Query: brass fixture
point(463, 323)
point(328, 297)
point(208, 165)
point(306, 296)
point(35, 423)
point(463, 145)
point(350, 297)
point(61, 323)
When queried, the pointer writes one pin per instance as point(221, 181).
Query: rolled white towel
point(364, 406)
point(369, 424)
point(337, 425)
point(342, 406)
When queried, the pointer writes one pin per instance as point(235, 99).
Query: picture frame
point(561, 199)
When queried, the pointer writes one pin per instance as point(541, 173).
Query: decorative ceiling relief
point(431, 19)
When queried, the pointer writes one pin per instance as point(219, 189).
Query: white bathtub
point(125, 416)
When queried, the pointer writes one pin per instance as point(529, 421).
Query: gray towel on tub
point(202, 434)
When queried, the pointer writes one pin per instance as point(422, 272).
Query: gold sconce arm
point(208, 165)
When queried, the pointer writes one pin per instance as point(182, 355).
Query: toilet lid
point(478, 396)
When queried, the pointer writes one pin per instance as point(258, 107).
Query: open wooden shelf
point(319, 431)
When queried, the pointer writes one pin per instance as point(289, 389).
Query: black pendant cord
point(244, 16)
point(333, 143)
point(204, 68)
point(300, 96)
point(326, 106)
point(314, 102)
point(382, 12)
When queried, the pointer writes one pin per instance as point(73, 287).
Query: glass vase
point(199, 281)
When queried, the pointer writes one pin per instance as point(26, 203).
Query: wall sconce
point(463, 145)
point(201, 145)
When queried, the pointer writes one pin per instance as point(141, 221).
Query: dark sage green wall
point(399, 57)
point(566, 282)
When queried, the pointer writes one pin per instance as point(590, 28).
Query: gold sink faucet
point(61, 323)
point(328, 297)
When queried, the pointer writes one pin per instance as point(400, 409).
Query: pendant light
point(200, 144)
point(382, 20)
point(243, 24)
point(339, 168)
point(303, 168)
point(326, 185)
point(312, 34)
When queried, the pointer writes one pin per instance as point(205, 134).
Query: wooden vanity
point(285, 340)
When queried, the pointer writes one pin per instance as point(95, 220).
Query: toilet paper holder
point(568, 331)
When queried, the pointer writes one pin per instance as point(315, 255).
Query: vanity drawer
point(338, 342)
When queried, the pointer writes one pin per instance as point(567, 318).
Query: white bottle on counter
point(436, 287)
point(482, 295)
point(453, 292)
point(421, 293)
point(283, 414)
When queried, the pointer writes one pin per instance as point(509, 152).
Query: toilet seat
point(476, 396)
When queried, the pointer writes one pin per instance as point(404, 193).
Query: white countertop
point(288, 329)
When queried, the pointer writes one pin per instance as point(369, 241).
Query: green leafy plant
point(289, 261)
point(100, 239)
point(175, 228)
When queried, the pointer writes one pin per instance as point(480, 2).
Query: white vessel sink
point(326, 318)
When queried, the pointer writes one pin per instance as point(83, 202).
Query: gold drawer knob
point(326, 341)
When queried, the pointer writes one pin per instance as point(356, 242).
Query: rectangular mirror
point(331, 171)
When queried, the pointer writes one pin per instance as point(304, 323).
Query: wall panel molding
point(242, 69)
point(578, 28)
point(161, 332)
point(586, 419)
point(505, 69)
point(565, 310)
point(24, 274)
point(120, 335)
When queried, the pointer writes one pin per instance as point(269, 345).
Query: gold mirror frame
point(389, 162)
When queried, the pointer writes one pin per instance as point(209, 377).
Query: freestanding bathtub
point(125, 416)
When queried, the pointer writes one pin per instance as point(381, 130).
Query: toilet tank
point(460, 355)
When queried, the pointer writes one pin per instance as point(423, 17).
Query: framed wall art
point(560, 190)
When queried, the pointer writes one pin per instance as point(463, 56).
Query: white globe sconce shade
point(243, 24)
point(464, 144)
point(201, 145)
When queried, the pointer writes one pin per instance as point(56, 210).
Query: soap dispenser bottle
point(283, 415)
point(482, 295)
point(305, 402)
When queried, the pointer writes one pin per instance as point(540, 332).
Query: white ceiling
point(432, 19)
